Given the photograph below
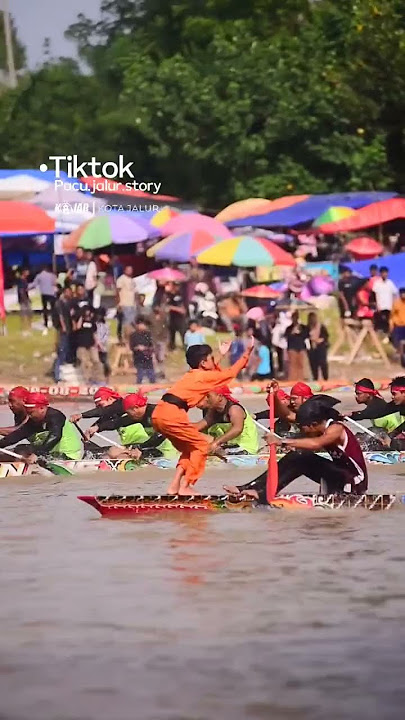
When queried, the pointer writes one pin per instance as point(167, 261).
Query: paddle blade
point(55, 468)
point(272, 471)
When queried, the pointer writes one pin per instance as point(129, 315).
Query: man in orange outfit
point(170, 415)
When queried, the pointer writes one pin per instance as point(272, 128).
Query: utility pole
point(9, 45)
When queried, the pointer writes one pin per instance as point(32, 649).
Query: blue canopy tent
point(394, 263)
point(307, 210)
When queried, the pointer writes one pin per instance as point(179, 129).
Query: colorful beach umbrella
point(22, 218)
point(167, 275)
point(183, 247)
point(364, 248)
point(162, 216)
point(113, 228)
point(246, 251)
point(244, 208)
point(262, 292)
point(187, 222)
point(333, 214)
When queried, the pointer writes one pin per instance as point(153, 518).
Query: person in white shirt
point(91, 280)
point(126, 292)
point(385, 293)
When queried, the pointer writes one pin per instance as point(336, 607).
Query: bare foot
point(173, 488)
point(232, 489)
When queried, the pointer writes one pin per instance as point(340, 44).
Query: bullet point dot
point(43, 167)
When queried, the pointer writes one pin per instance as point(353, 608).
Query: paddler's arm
point(154, 441)
point(23, 432)
point(330, 437)
point(7, 430)
point(237, 417)
point(281, 410)
point(205, 422)
point(110, 423)
point(398, 431)
point(54, 427)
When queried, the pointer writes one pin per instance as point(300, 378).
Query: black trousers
point(48, 301)
point(295, 464)
point(318, 361)
point(280, 359)
point(382, 321)
point(174, 328)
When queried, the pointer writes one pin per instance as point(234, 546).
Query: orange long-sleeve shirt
point(195, 384)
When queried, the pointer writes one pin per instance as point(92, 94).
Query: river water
point(261, 616)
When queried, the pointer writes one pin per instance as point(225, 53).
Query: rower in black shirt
point(108, 404)
point(16, 399)
point(135, 429)
point(396, 437)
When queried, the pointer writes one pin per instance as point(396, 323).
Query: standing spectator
point(374, 276)
point(385, 293)
point(193, 336)
point(46, 281)
point(279, 340)
point(263, 369)
point(91, 279)
point(348, 286)
point(86, 346)
point(141, 345)
point(177, 314)
point(296, 335)
point(103, 336)
point(160, 336)
point(81, 266)
point(24, 302)
point(236, 350)
point(126, 296)
point(317, 344)
point(63, 324)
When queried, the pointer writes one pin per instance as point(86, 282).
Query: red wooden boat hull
point(122, 506)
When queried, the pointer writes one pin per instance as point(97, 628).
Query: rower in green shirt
point(228, 422)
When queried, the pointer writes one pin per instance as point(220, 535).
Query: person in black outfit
point(348, 286)
point(397, 405)
point(176, 315)
point(318, 338)
point(141, 344)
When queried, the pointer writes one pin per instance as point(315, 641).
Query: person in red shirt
point(170, 415)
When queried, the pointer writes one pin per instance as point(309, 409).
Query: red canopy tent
point(369, 216)
point(364, 248)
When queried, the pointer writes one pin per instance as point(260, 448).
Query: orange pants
point(174, 424)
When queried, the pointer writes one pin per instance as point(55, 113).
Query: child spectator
point(193, 336)
point(264, 369)
point(102, 337)
point(141, 345)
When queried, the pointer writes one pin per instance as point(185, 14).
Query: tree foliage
point(224, 99)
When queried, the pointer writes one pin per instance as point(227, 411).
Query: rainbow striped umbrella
point(183, 246)
point(333, 214)
point(163, 216)
point(246, 251)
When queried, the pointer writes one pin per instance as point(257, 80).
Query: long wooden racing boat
point(17, 469)
point(132, 506)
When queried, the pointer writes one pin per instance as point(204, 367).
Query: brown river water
point(245, 616)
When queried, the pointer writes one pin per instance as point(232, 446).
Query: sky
point(38, 19)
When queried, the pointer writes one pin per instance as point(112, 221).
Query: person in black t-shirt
point(141, 344)
point(348, 286)
point(86, 346)
point(296, 335)
point(63, 324)
point(176, 314)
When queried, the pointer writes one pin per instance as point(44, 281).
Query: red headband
point(105, 393)
point(36, 399)
point(301, 389)
point(135, 400)
point(18, 393)
point(398, 387)
point(370, 391)
point(281, 395)
point(225, 391)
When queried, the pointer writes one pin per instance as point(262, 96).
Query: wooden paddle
point(52, 466)
point(272, 472)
